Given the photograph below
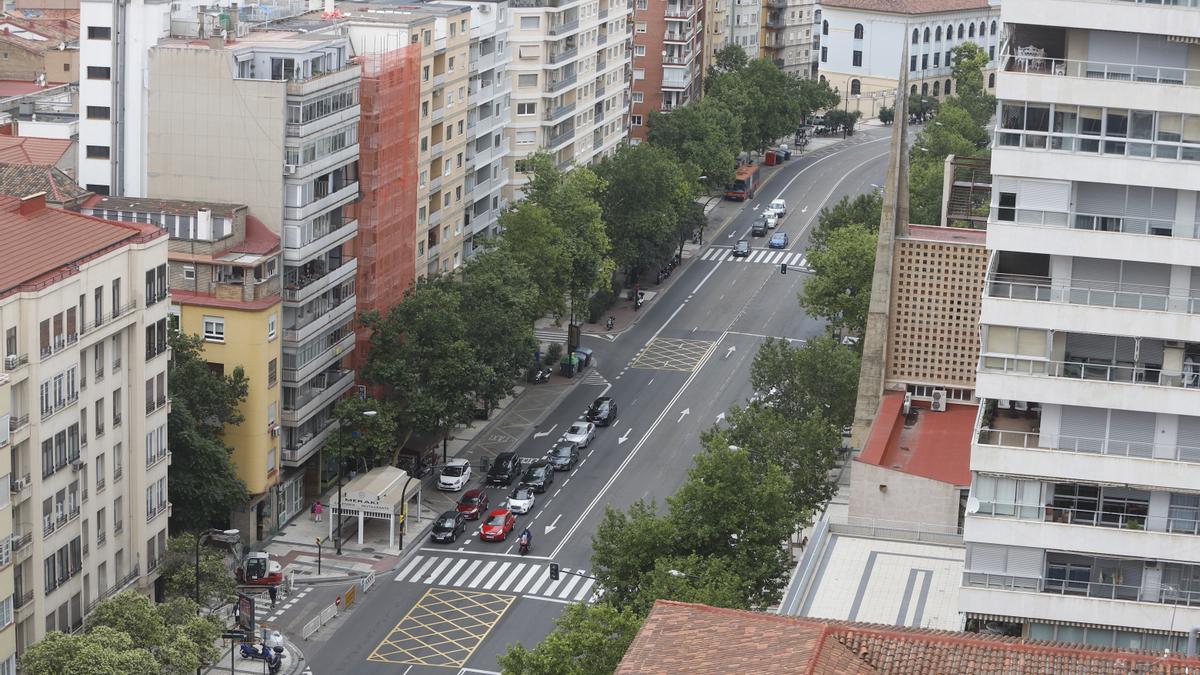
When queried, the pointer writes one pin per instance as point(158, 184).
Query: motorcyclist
point(526, 538)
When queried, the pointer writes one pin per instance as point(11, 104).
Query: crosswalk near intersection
point(520, 576)
point(768, 256)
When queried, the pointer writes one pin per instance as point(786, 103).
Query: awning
point(376, 493)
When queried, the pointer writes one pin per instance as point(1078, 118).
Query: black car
point(504, 469)
point(564, 456)
point(538, 476)
point(742, 249)
point(603, 411)
point(759, 228)
point(448, 526)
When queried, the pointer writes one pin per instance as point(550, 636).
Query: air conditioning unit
point(289, 169)
point(907, 402)
point(939, 400)
point(275, 431)
point(10, 361)
point(77, 465)
point(484, 8)
point(17, 485)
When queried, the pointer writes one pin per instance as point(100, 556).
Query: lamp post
point(341, 466)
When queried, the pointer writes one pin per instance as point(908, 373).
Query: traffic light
point(783, 268)
point(554, 571)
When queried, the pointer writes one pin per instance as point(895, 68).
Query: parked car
point(474, 503)
point(539, 476)
point(504, 469)
point(564, 456)
point(778, 240)
point(581, 434)
point(448, 526)
point(741, 249)
point(498, 525)
point(521, 500)
point(603, 411)
point(455, 475)
point(778, 207)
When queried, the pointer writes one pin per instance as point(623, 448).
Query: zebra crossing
point(526, 578)
point(762, 255)
point(544, 335)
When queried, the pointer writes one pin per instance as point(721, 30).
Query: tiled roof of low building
point(37, 151)
point(19, 180)
point(689, 639)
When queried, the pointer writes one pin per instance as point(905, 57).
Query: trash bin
point(585, 357)
point(568, 365)
point(770, 159)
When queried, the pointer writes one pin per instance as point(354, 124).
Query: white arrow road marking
point(684, 413)
point(624, 437)
point(720, 418)
point(804, 210)
point(551, 526)
point(729, 352)
point(542, 434)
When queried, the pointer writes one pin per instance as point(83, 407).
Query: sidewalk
point(233, 663)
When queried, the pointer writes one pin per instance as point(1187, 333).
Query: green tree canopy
point(625, 546)
point(217, 585)
point(703, 134)
point(362, 438)
point(728, 60)
point(970, 60)
point(818, 379)
point(865, 209)
point(540, 246)
point(586, 640)
point(101, 651)
point(205, 486)
point(839, 289)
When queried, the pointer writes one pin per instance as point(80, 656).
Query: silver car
point(581, 434)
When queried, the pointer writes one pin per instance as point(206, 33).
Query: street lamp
point(341, 467)
point(204, 536)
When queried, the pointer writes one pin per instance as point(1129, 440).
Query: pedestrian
point(312, 511)
point(318, 509)
point(273, 591)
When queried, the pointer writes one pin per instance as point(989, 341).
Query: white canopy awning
point(378, 493)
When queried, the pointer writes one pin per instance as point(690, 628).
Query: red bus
point(745, 184)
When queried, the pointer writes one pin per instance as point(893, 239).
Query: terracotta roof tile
point(908, 6)
point(688, 639)
point(18, 180)
point(36, 151)
point(259, 239)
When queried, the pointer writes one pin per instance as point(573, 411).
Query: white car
point(581, 434)
point(779, 206)
point(771, 217)
point(455, 475)
point(521, 500)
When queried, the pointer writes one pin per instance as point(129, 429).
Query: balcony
point(560, 138)
point(308, 444)
point(684, 11)
point(678, 60)
point(330, 386)
point(152, 350)
point(313, 323)
point(347, 73)
point(338, 197)
point(678, 36)
point(560, 111)
point(17, 423)
point(21, 600)
point(561, 83)
point(564, 27)
point(296, 252)
point(156, 404)
point(307, 129)
point(309, 286)
point(342, 346)
point(564, 55)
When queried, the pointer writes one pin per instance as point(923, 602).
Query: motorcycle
point(608, 325)
point(524, 545)
point(252, 651)
point(542, 375)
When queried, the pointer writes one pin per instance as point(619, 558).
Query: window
point(937, 89)
point(530, 22)
point(991, 81)
point(638, 97)
point(993, 29)
point(116, 298)
point(214, 328)
point(971, 30)
point(99, 33)
point(272, 372)
point(915, 37)
point(271, 323)
point(97, 188)
point(824, 54)
point(858, 31)
point(926, 35)
point(824, 28)
point(639, 50)
point(99, 73)
point(912, 65)
point(937, 59)
point(97, 112)
point(856, 58)
point(635, 120)
point(946, 87)
point(960, 32)
point(97, 152)
point(924, 61)
point(640, 27)
point(992, 53)
point(855, 87)
point(189, 272)
point(527, 80)
point(937, 34)
point(526, 109)
point(526, 137)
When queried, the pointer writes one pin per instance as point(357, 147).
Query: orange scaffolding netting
point(387, 219)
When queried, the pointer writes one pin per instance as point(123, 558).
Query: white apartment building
point(569, 67)
point(744, 25)
point(1083, 523)
point(84, 319)
point(862, 45)
point(488, 115)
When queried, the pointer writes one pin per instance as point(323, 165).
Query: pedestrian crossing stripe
point(523, 578)
point(768, 256)
point(550, 335)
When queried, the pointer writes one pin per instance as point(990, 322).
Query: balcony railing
point(677, 12)
point(559, 111)
point(1098, 293)
point(18, 422)
point(561, 138)
point(14, 361)
point(153, 350)
point(1158, 593)
point(1096, 222)
point(1090, 517)
point(560, 56)
point(561, 83)
point(155, 404)
point(564, 27)
point(22, 599)
point(1086, 370)
point(1089, 445)
point(20, 541)
point(1102, 70)
point(1095, 144)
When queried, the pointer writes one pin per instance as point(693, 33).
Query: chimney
point(32, 204)
point(233, 20)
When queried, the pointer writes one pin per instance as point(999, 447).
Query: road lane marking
point(533, 570)
point(566, 591)
point(408, 568)
point(483, 573)
point(491, 583)
point(512, 577)
point(433, 574)
point(460, 580)
point(445, 580)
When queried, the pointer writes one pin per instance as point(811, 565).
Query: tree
point(709, 581)
point(704, 134)
point(533, 240)
point(171, 633)
point(586, 640)
point(625, 547)
point(101, 651)
point(364, 439)
point(951, 132)
point(205, 486)
point(820, 378)
point(969, 62)
point(739, 507)
point(840, 287)
point(646, 194)
point(841, 118)
point(729, 60)
point(886, 115)
point(922, 105)
point(815, 95)
point(217, 585)
point(865, 209)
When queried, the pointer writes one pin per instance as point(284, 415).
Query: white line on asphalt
point(436, 571)
point(801, 172)
point(513, 577)
point(556, 493)
point(583, 590)
point(566, 591)
point(498, 575)
point(538, 583)
point(459, 581)
point(445, 580)
point(554, 600)
point(483, 573)
point(533, 570)
point(408, 568)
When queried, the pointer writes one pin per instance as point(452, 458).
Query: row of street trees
point(721, 538)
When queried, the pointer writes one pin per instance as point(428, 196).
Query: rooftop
point(41, 243)
point(935, 445)
point(948, 235)
point(682, 638)
point(908, 6)
point(179, 207)
point(35, 151)
point(12, 88)
point(19, 180)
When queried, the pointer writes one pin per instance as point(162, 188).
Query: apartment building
point(84, 315)
point(716, 20)
point(570, 68)
point(271, 121)
point(668, 59)
point(744, 25)
point(224, 274)
point(8, 636)
point(1084, 518)
point(861, 44)
point(443, 33)
point(792, 36)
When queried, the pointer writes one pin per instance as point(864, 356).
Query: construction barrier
point(350, 595)
point(342, 602)
point(311, 627)
point(367, 582)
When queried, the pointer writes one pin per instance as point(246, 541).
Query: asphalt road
point(454, 608)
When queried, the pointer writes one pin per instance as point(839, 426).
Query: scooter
point(251, 651)
point(524, 546)
point(612, 321)
point(542, 375)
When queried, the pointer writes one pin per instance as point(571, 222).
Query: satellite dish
point(972, 505)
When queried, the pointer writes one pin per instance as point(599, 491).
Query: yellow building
point(224, 276)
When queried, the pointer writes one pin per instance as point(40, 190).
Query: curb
point(330, 580)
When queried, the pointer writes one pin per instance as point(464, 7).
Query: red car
point(499, 523)
point(474, 503)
